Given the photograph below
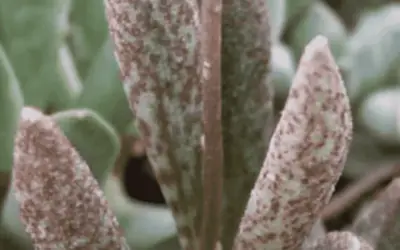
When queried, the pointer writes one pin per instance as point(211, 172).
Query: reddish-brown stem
point(213, 148)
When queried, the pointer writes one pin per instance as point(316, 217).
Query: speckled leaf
point(374, 49)
point(94, 139)
point(86, 131)
point(157, 48)
point(306, 156)
point(61, 204)
point(246, 104)
point(320, 19)
point(33, 33)
point(11, 102)
point(103, 91)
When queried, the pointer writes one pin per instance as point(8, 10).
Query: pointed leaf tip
point(56, 190)
point(318, 49)
point(318, 42)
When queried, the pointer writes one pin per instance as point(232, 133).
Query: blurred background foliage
point(56, 55)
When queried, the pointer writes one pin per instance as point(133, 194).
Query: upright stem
point(213, 148)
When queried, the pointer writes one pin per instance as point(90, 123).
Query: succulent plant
point(244, 110)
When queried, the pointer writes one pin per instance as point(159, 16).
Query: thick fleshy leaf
point(320, 19)
point(33, 34)
point(88, 32)
point(145, 225)
point(305, 159)
point(96, 143)
point(247, 108)
point(61, 204)
point(157, 48)
point(351, 10)
point(374, 49)
point(70, 85)
point(378, 221)
point(378, 114)
point(94, 139)
point(340, 241)
point(103, 91)
point(295, 9)
point(11, 102)
point(277, 17)
point(283, 68)
point(11, 223)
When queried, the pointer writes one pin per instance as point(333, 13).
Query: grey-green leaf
point(283, 68)
point(11, 102)
point(378, 115)
point(88, 32)
point(277, 17)
point(295, 8)
point(33, 33)
point(94, 139)
point(103, 90)
point(145, 225)
point(374, 49)
point(320, 19)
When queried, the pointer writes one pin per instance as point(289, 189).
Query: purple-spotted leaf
point(60, 202)
point(246, 105)
point(157, 48)
point(306, 156)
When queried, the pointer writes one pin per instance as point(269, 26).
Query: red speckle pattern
point(305, 159)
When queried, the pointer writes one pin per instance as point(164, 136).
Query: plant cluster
point(200, 83)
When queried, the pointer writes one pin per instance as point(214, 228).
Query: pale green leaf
point(378, 114)
point(374, 49)
point(283, 68)
point(277, 17)
point(320, 19)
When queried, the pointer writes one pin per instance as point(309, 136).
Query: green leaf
point(88, 32)
point(33, 33)
point(283, 69)
point(319, 20)
point(103, 90)
point(378, 114)
point(374, 49)
point(145, 225)
point(295, 8)
point(277, 17)
point(351, 10)
point(70, 84)
point(94, 139)
point(11, 102)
